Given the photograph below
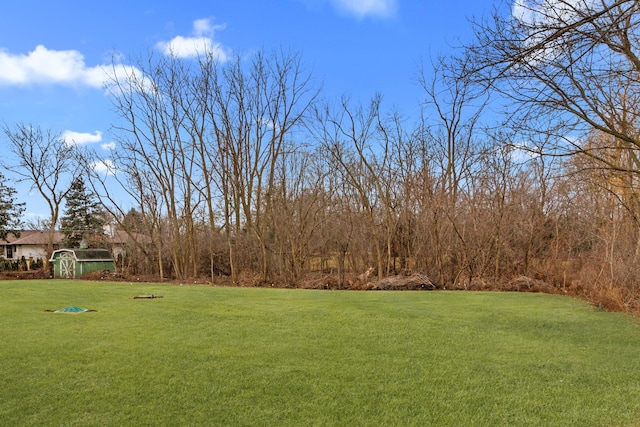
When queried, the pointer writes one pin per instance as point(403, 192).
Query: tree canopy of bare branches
point(566, 68)
point(45, 161)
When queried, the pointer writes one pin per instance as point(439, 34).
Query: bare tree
point(46, 161)
point(452, 114)
point(252, 111)
point(153, 153)
point(359, 149)
point(299, 211)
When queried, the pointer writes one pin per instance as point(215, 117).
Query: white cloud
point(108, 146)
point(46, 66)
point(80, 138)
point(364, 8)
point(523, 153)
point(200, 43)
point(64, 67)
point(105, 167)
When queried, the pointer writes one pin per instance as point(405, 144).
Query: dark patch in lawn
point(151, 296)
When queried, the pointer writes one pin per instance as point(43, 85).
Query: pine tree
point(83, 218)
point(10, 211)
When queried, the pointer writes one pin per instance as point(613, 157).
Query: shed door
point(67, 266)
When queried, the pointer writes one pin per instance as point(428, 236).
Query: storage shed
point(73, 263)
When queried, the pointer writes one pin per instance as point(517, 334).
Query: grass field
point(265, 357)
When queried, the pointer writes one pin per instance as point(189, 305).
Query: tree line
point(522, 161)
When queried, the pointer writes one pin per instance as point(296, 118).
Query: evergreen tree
point(83, 218)
point(10, 211)
point(133, 221)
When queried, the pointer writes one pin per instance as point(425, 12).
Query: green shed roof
point(85, 254)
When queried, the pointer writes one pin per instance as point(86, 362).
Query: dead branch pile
point(411, 282)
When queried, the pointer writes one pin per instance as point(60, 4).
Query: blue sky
point(52, 53)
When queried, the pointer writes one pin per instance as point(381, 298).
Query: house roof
point(38, 237)
point(121, 237)
point(32, 237)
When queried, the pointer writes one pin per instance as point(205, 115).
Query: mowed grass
point(264, 357)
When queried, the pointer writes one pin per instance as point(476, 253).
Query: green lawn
point(265, 357)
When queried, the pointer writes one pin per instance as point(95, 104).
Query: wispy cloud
point(201, 42)
point(367, 8)
point(44, 66)
point(549, 12)
point(542, 17)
